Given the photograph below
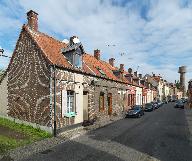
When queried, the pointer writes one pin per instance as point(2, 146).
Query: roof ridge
point(45, 35)
point(27, 30)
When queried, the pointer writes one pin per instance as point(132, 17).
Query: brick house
point(49, 80)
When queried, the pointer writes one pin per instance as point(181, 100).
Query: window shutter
point(64, 102)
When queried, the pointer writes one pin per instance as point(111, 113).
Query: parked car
point(174, 100)
point(136, 111)
point(155, 105)
point(179, 104)
point(160, 103)
point(149, 107)
point(184, 100)
point(165, 101)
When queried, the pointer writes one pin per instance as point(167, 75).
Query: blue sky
point(155, 35)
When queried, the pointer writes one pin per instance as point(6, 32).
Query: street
point(159, 135)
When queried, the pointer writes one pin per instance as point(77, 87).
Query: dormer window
point(74, 53)
point(77, 61)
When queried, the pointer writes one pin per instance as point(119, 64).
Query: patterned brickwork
point(28, 83)
point(65, 80)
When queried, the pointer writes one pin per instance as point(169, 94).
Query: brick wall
point(28, 83)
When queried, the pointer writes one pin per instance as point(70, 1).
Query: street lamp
point(1, 53)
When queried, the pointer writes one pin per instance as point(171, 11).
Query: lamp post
point(1, 53)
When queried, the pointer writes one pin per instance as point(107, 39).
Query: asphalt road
point(159, 135)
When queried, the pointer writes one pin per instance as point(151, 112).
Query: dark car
point(174, 100)
point(170, 100)
point(149, 107)
point(165, 101)
point(184, 100)
point(179, 104)
point(155, 105)
point(136, 111)
point(160, 103)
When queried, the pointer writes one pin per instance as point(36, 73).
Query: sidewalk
point(188, 114)
point(43, 146)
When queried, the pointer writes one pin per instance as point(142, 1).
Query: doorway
point(109, 98)
point(85, 105)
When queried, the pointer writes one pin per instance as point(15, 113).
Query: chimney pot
point(140, 76)
point(111, 61)
point(32, 18)
point(97, 54)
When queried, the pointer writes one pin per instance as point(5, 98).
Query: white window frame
point(70, 101)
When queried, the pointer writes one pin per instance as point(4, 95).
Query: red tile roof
point(52, 50)
point(50, 47)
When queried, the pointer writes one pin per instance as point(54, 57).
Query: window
point(74, 58)
point(77, 60)
point(70, 101)
point(101, 102)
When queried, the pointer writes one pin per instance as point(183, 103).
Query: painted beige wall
point(79, 98)
point(3, 97)
point(138, 96)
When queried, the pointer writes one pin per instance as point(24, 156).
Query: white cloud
point(164, 37)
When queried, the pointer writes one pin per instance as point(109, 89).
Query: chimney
point(140, 76)
point(129, 70)
point(135, 73)
point(121, 68)
point(32, 18)
point(97, 54)
point(153, 75)
point(111, 61)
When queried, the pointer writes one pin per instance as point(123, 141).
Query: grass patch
point(31, 135)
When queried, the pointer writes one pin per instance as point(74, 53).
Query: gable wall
point(28, 83)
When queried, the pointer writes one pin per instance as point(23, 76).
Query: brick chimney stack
point(121, 68)
point(32, 18)
point(135, 73)
point(97, 54)
point(111, 61)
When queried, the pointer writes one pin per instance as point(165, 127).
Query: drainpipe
point(55, 125)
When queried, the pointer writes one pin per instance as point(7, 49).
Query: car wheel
point(139, 115)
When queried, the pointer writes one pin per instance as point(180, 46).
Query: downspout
point(50, 92)
point(55, 125)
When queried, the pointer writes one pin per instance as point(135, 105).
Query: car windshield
point(136, 107)
point(179, 101)
point(148, 104)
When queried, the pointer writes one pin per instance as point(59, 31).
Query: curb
point(44, 145)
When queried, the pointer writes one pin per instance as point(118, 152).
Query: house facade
point(4, 94)
point(51, 81)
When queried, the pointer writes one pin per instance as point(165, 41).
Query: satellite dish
point(65, 41)
point(76, 40)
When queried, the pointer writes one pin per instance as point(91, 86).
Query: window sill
point(71, 114)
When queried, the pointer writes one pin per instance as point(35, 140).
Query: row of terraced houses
point(49, 80)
